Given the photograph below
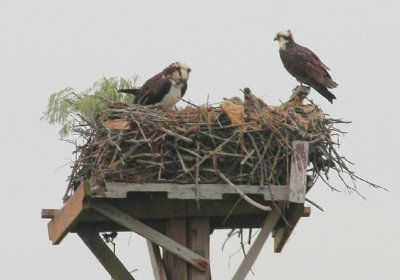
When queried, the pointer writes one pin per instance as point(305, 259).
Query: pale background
point(46, 46)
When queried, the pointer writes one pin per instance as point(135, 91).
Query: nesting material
point(248, 143)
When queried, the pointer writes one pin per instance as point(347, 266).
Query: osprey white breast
point(173, 96)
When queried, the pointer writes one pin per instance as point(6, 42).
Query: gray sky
point(49, 45)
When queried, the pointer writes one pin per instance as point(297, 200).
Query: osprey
point(305, 65)
point(251, 102)
point(164, 89)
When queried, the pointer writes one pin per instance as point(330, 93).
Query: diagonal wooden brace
point(121, 218)
point(156, 261)
point(104, 254)
point(252, 254)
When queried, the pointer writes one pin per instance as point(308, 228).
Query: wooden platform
point(180, 219)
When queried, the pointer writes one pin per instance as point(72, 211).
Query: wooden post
point(298, 172)
point(175, 267)
point(297, 193)
point(199, 242)
point(104, 254)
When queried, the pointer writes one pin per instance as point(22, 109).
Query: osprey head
point(283, 38)
point(178, 72)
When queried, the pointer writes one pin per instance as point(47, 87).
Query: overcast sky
point(46, 46)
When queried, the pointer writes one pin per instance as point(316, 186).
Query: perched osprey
point(305, 65)
point(164, 89)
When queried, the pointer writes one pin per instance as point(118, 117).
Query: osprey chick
point(305, 65)
point(164, 89)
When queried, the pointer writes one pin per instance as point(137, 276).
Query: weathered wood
point(64, 220)
point(156, 261)
point(188, 191)
point(117, 124)
point(199, 242)
point(175, 267)
point(119, 217)
point(49, 213)
point(293, 215)
point(246, 221)
point(142, 206)
point(255, 249)
point(298, 172)
point(104, 254)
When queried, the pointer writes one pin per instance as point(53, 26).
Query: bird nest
point(249, 143)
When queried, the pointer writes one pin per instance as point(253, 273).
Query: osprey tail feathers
point(329, 83)
point(129, 90)
point(326, 93)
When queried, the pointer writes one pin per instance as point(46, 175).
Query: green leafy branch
point(68, 108)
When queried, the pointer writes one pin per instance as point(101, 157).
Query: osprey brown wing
point(153, 90)
point(164, 89)
point(306, 67)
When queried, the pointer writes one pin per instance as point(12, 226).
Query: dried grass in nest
point(247, 144)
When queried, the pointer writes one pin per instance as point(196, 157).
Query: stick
point(243, 195)
point(176, 135)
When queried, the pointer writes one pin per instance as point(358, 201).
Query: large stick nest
point(250, 143)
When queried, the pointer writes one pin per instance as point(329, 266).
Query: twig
point(176, 135)
point(314, 204)
point(243, 195)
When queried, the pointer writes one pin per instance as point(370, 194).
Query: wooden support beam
point(295, 212)
point(189, 191)
point(64, 220)
point(199, 242)
point(255, 249)
point(119, 217)
point(104, 254)
point(175, 267)
point(156, 261)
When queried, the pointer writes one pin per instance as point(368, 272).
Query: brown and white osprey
point(305, 65)
point(164, 89)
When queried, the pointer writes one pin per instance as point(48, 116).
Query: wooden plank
point(199, 242)
point(175, 267)
point(245, 221)
point(49, 213)
point(295, 212)
point(119, 217)
point(156, 261)
point(255, 249)
point(298, 172)
point(188, 191)
point(142, 206)
point(104, 254)
point(64, 220)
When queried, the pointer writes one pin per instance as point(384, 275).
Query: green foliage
point(66, 107)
